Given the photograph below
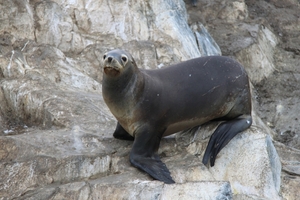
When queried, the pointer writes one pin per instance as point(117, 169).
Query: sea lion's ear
point(133, 62)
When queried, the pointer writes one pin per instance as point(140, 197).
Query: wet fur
point(150, 104)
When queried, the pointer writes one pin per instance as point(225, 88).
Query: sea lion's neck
point(114, 88)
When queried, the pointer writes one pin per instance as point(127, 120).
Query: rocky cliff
point(56, 132)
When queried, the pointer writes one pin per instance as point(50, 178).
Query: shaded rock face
point(266, 40)
point(56, 132)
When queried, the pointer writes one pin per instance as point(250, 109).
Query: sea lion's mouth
point(111, 71)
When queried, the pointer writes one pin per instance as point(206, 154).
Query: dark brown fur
point(150, 104)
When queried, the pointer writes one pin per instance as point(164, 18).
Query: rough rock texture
point(264, 36)
point(56, 132)
point(124, 187)
point(58, 162)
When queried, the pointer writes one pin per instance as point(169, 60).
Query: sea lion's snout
point(111, 66)
point(112, 56)
point(114, 62)
point(109, 59)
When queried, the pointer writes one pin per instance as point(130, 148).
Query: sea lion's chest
point(124, 111)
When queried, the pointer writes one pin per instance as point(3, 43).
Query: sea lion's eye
point(104, 57)
point(124, 58)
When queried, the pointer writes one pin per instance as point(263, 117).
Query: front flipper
point(121, 133)
point(144, 155)
point(223, 134)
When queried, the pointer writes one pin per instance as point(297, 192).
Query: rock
point(17, 21)
point(252, 44)
point(241, 158)
point(32, 161)
point(52, 94)
point(39, 158)
point(118, 24)
point(55, 27)
point(206, 43)
point(278, 99)
point(291, 170)
point(56, 132)
point(228, 11)
point(124, 187)
point(275, 90)
point(233, 11)
point(258, 58)
point(209, 190)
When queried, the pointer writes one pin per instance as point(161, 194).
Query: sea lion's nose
point(109, 59)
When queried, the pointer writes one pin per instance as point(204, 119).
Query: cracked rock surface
point(56, 131)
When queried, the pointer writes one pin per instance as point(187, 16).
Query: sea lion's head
point(117, 61)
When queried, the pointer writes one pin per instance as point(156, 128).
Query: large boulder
point(56, 131)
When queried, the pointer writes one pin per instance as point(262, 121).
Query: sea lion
point(151, 104)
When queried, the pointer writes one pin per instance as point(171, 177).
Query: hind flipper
point(223, 134)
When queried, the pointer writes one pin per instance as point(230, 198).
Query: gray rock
point(239, 162)
point(206, 43)
point(123, 187)
point(258, 58)
point(56, 132)
point(17, 20)
point(36, 159)
point(291, 170)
